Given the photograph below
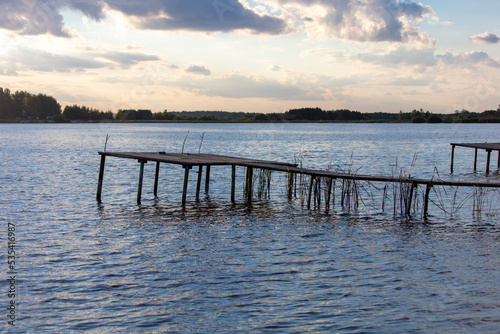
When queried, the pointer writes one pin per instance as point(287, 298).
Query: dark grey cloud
point(485, 38)
point(197, 69)
point(210, 15)
point(36, 17)
point(43, 61)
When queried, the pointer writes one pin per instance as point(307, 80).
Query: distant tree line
point(82, 113)
point(22, 105)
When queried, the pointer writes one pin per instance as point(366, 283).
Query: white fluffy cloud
point(363, 20)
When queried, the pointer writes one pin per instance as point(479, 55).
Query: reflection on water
point(271, 265)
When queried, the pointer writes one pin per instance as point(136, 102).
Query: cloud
point(364, 20)
point(37, 17)
point(355, 20)
point(473, 58)
point(33, 17)
point(43, 61)
point(201, 15)
point(485, 38)
point(197, 69)
point(239, 86)
point(401, 55)
point(126, 60)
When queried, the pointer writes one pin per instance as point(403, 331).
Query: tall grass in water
point(106, 142)
point(201, 141)
point(407, 197)
point(405, 193)
point(184, 142)
point(264, 183)
point(485, 201)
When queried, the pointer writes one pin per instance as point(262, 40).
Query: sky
point(254, 56)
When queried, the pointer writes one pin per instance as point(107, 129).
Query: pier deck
point(488, 147)
point(188, 161)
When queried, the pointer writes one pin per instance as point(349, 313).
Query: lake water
point(272, 266)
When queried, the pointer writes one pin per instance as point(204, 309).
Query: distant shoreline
point(478, 121)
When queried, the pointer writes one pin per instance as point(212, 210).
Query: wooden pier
point(488, 147)
point(188, 161)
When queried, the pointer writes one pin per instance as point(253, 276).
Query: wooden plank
point(484, 146)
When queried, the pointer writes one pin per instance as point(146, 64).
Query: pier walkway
point(488, 147)
point(188, 161)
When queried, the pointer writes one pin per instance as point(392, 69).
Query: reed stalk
point(201, 141)
point(106, 142)
point(184, 142)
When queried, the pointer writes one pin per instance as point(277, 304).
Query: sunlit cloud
point(362, 20)
point(240, 86)
point(360, 54)
point(28, 59)
point(485, 38)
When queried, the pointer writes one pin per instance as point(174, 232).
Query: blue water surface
point(269, 266)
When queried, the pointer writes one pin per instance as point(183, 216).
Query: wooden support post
point(184, 188)
point(207, 179)
point(412, 189)
point(157, 173)
point(426, 199)
point(249, 181)
point(290, 186)
point(334, 182)
point(488, 158)
point(233, 182)
point(198, 182)
point(475, 159)
point(141, 176)
point(310, 191)
point(318, 191)
point(101, 178)
point(452, 157)
point(328, 193)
